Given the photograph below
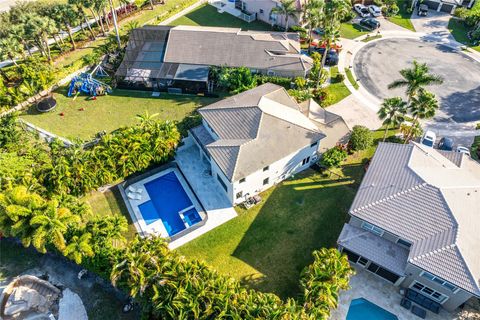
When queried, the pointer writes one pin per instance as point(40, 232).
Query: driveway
point(378, 64)
point(435, 23)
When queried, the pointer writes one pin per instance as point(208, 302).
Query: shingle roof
point(235, 48)
point(431, 199)
point(255, 129)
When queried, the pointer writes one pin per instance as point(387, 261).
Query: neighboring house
point(447, 6)
point(250, 10)
point(256, 139)
point(162, 57)
point(415, 222)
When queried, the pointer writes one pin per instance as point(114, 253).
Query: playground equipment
point(87, 84)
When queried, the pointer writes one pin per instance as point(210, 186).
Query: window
point(239, 194)
point(404, 243)
point(265, 181)
point(266, 168)
point(370, 227)
point(242, 180)
point(305, 161)
point(261, 11)
point(438, 280)
point(222, 182)
point(362, 261)
point(314, 144)
point(434, 295)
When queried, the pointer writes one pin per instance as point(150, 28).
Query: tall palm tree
point(80, 6)
point(415, 78)
point(51, 225)
point(423, 106)
point(287, 9)
point(115, 24)
point(79, 247)
point(312, 16)
point(392, 113)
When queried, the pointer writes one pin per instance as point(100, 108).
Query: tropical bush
point(168, 286)
point(236, 80)
point(360, 139)
point(333, 157)
point(281, 81)
point(117, 155)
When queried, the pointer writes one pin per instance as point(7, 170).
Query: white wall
point(276, 172)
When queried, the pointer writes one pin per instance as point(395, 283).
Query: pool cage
point(143, 66)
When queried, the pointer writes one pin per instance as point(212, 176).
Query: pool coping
point(138, 221)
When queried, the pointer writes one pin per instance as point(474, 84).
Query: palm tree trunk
point(151, 4)
point(11, 57)
point(69, 30)
point(104, 32)
point(114, 16)
point(47, 48)
point(88, 25)
point(98, 21)
point(4, 75)
point(57, 43)
point(286, 23)
point(407, 139)
point(385, 134)
point(107, 20)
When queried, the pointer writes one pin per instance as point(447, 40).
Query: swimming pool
point(361, 309)
point(170, 203)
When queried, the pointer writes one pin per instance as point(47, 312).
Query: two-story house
point(256, 139)
point(415, 222)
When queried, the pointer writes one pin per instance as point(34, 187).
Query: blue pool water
point(362, 309)
point(167, 199)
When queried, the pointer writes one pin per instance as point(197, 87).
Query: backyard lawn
point(459, 30)
point(402, 18)
point(110, 112)
point(208, 16)
point(267, 246)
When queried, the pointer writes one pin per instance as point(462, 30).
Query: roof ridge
point(395, 195)
point(432, 252)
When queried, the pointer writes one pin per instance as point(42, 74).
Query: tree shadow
point(462, 106)
point(298, 217)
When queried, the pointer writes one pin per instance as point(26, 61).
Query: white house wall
point(287, 166)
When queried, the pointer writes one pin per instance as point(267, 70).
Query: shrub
point(333, 157)
point(300, 83)
point(302, 31)
point(350, 15)
point(360, 139)
point(300, 95)
point(281, 81)
point(237, 80)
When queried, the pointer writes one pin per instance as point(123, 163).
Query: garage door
point(431, 4)
point(447, 8)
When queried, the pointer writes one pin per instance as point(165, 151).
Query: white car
point(361, 10)
point(463, 149)
point(429, 138)
point(375, 11)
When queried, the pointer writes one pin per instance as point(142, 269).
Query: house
point(250, 10)
point(447, 6)
point(415, 222)
point(179, 58)
point(258, 138)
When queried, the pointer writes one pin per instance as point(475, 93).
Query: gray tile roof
point(235, 48)
point(255, 129)
point(431, 199)
point(374, 248)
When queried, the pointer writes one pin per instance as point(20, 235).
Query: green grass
point(110, 112)
point(207, 15)
point(459, 30)
point(368, 39)
point(337, 90)
point(402, 18)
point(475, 146)
point(110, 203)
point(351, 31)
point(267, 246)
point(350, 78)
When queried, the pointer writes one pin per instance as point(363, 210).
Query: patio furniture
point(248, 203)
point(407, 304)
point(419, 312)
point(257, 199)
point(423, 301)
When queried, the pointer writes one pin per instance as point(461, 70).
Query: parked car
point(429, 138)
point(422, 10)
point(332, 56)
point(375, 11)
point(361, 10)
point(463, 149)
point(446, 144)
point(370, 23)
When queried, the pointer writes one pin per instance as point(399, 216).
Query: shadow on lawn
point(280, 240)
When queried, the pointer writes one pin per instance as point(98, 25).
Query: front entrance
point(371, 266)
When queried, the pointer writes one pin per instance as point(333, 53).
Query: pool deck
point(214, 201)
point(381, 292)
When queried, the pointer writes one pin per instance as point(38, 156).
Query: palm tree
point(10, 48)
point(115, 24)
point(287, 9)
point(79, 247)
point(392, 113)
point(312, 16)
point(51, 225)
point(80, 5)
point(415, 78)
point(423, 106)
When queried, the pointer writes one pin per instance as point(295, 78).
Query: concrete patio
point(212, 197)
point(381, 292)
